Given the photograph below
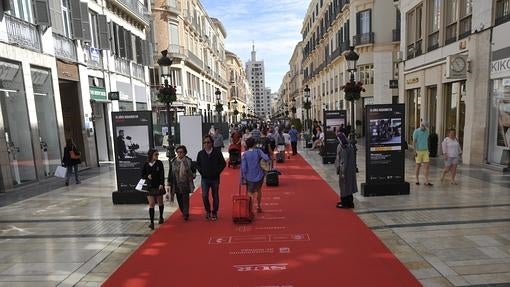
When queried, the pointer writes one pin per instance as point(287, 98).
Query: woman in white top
point(320, 138)
point(451, 152)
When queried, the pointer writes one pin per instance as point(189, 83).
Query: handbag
point(74, 155)
point(61, 172)
point(265, 165)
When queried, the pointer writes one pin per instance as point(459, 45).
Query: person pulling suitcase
point(251, 173)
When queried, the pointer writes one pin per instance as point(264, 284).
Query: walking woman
point(71, 160)
point(451, 152)
point(154, 174)
point(180, 179)
point(345, 164)
point(251, 172)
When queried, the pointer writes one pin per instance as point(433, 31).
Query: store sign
point(393, 84)
point(413, 81)
point(98, 93)
point(385, 152)
point(500, 67)
point(94, 54)
point(133, 138)
point(67, 71)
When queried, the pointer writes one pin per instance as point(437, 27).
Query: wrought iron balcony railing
point(137, 8)
point(23, 33)
point(138, 71)
point(65, 48)
point(194, 59)
point(122, 66)
point(363, 39)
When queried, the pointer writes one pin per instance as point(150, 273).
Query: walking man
point(293, 139)
point(210, 164)
point(421, 149)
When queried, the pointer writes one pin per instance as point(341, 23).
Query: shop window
point(432, 106)
point(16, 128)
point(141, 106)
point(454, 108)
point(125, 106)
point(46, 119)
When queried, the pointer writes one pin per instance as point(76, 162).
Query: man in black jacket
point(210, 164)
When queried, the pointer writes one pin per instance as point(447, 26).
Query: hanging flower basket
point(236, 112)
point(307, 105)
point(353, 90)
point(167, 95)
point(219, 108)
point(244, 115)
point(293, 110)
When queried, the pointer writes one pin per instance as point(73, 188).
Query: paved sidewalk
point(74, 236)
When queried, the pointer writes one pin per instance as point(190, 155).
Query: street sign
point(113, 96)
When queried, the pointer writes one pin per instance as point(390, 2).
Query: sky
point(274, 26)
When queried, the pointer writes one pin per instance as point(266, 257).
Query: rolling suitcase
point(280, 157)
point(242, 208)
point(272, 178)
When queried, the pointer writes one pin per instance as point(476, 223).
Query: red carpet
point(300, 239)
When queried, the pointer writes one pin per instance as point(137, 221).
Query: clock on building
point(458, 64)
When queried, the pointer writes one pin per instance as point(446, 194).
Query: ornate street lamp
point(307, 105)
point(352, 92)
point(244, 112)
point(293, 108)
point(167, 95)
point(236, 112)
point(219, 106)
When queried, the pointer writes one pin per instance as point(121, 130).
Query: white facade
point(256, 76)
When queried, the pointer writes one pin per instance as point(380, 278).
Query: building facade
point(57, 66)
point(195, 43)
point(256, 76)
point(239, 91)
point(329, 29)
point(454, 74)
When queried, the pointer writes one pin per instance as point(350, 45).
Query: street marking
point(219, 240)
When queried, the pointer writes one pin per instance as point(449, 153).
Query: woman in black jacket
point(154, 174)
point(71, 160)
point(180, 178)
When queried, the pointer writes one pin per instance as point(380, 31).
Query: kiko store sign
point(500, 68)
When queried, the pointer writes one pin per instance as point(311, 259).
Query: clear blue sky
point(274, 25)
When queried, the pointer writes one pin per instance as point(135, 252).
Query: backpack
point(268, 142)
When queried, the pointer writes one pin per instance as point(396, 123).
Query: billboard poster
point(334, 121)
point(133, 139)
point(385, 143)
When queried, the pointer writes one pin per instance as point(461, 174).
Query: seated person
point(320, 138)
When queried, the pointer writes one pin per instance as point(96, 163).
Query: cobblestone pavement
point(446, 235)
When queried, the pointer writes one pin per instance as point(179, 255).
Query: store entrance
point(72, 114)
point(102, 131)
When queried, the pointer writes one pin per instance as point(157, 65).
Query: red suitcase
point(242, 208)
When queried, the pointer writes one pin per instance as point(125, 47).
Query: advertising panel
point(133, 139)
point(385, 143)
point(334, 121)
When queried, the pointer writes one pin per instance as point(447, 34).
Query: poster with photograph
point(385, 143)
point(503, 139)
point(133, 139)
point(335, 120)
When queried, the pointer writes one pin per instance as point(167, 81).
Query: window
point(94, 29)
point(458, 20)
point(363, 25)
point(502, 11)
point(434, 23)
point(22, 9)
point(414, 32)
point(66, 18)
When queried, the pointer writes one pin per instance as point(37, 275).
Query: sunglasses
point(207, 142)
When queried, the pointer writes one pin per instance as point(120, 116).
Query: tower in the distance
point(256, 77)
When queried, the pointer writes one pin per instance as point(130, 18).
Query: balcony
point(465, 27)
point(65, 48)
point(173, 6)
point(136, 9)
point(122, 66)
point(433, 41)
point(414, 50)
point(22, 33)
point(138, 72)
point(396, 35)
point(363, 39)
point(344, 46)
point(176, 51)
point(94, 58)
point(502, 18)
point(195, 60)
point(451, 33)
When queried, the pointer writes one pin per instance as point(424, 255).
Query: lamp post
point(219, 106)
point(236, 112)
point(167, 95)
point(307, 106)
point(293, 108)
point(352, 93)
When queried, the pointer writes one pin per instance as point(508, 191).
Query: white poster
point(191, 134)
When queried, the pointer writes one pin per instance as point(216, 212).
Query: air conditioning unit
point(456, 66)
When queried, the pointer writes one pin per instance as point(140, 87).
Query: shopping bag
point(61, 172)
point(141, 186)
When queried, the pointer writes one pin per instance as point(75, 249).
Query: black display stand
point(334, 122)
point(382, 189)
point(129, 197)
point(328, 151)
point(385, 151)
